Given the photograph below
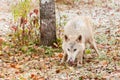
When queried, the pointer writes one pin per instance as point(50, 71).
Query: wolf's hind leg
point(93, 45)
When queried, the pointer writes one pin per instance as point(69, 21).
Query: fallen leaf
point(41, 78)
point(36, 77)
point(32, 75)
point(15, 66)
point(103, 62)
point(58, 71)
point(60, 55)
point(12, 65)
point(1, 41)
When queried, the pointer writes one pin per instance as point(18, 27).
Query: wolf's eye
point(68, 49)
point(74, 50)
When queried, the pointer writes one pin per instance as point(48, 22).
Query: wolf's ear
point(79, 39)
point(66, 37)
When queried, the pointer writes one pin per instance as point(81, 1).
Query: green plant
point(21, 9)
point(48, 50)
point(25, 32)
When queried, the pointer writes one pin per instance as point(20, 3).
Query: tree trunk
point(47, 22)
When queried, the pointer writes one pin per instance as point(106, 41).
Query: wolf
point(77, 33)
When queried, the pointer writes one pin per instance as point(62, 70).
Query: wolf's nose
point(71, 62)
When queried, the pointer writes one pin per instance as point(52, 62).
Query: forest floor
point(106, 18)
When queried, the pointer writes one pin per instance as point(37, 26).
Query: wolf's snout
point(71, 61)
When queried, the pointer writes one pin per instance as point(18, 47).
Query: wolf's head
point(72, 46)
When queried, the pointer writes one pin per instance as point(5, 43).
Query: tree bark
point(47, 22)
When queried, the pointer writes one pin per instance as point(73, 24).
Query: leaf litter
point(106, 18)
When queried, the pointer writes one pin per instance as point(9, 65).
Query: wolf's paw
point(79, 65)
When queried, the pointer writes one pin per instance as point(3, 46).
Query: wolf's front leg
point(64, 58)
point(80, 59)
